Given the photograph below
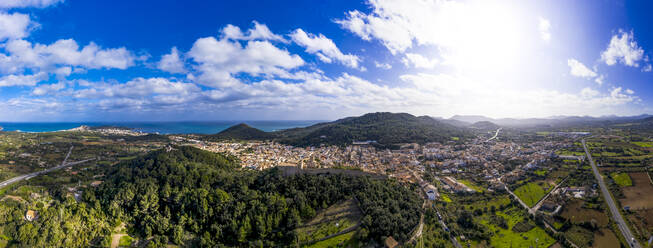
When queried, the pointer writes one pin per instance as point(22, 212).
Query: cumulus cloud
point(545, 29)
point(8, 4)
point(172, 62)
point(385, 66)
point(578, 69)
point(258, 32)
point(218, 61)
point(419, 61)
point(46, 89)
point(623, 49)
point(23, 80)
point(15, 26)
point(324, 48)
point(23, 54)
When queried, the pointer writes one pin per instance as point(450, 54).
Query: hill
point(484, 125)
point(194, 198)
point(383, 128)
point(241, 131)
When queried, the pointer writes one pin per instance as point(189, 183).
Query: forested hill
point(383, 128)
point(241, 132)
point(191, 197)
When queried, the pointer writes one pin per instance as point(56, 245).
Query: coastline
point(163, 128)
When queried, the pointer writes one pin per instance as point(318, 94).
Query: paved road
point(33, 174)
point(495, 135)
point(539, 203)
point(616, 215)
point(444, 227)
point(519, 200)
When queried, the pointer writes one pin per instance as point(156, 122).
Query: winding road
point(616, 215)
point(495, 135)
point(33, 174)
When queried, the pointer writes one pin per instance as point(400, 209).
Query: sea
point(188, 127)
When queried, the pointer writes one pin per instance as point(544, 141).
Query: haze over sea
point(185, 127)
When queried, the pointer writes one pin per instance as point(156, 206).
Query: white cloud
point(172, 62)
point(46, 89)
point(22, 80)
point(647, 68)
point(218, 61)
point(24, 54)
point(419, 61)
point(258, 32)
point(578, 69)
point(623, 49)
point(545, 29)
point(600, 79)
point(7, 4)
point(15, 26)
point(385, 66)
point(324, 48)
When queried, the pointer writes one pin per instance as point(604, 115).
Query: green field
point(535, 237)
point(532, 192)
point(445, 198)
point(622, 179)
point(125, 241)
point(643, 144)
point(337, 241)
point(471, 185)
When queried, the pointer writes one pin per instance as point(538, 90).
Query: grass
point(455, 138)
point(336, 241)
point(125, 241)
point(622, 179)
point(334, 219)
point(445, 198)
point(535, 237)
point(643, 144)
point(532, 192)
point(540, 172)
point(471, 185)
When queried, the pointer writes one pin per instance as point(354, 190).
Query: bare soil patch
point(640, 195)
point(575, 213)
point(605, 238)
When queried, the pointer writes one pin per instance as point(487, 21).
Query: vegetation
point(187, 192)
point(384, 129)
point(532, 192)
point(240, 132)
point(622, 179)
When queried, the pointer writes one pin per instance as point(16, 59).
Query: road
point(453, 239)
point(33, 174)
point(616, 215)
point(495, 135)
point(539, 203)
point(519, 200)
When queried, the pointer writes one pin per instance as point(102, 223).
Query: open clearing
point(333, 220)
point(622, 179)
point(576, 214)
point(532, 192)
point(605, 238)
point(640, 195)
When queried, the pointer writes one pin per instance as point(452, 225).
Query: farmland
point(532, 192)
point(622, 179)
point(640, 195)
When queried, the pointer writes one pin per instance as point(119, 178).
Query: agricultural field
point(520, 231)
point(577, 212)
point(532, 192)
point(622, 179)
point(336, 219)
point(639, 196)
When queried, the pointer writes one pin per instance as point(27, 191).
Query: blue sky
point(74, 60)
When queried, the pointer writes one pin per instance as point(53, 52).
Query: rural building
point(390, 242)
point(31, 215)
